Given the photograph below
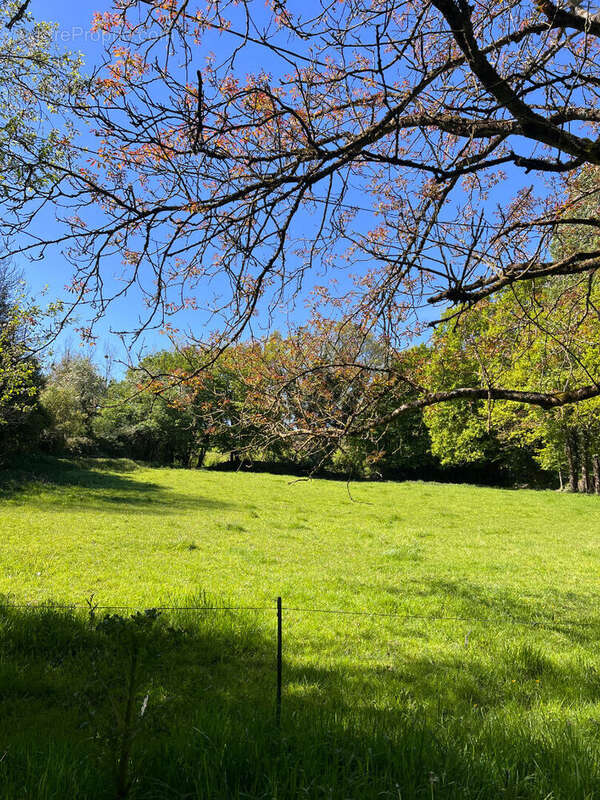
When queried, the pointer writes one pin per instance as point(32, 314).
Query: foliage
point(37, 79)
point(472, 431)
point(72, 396)
point(403, 445)
point(21, 418)
point(542, 334)
point(172, 409)
point(152, 423)
point(579, 213)
point(366, 180)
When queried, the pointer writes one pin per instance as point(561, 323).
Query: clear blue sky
point(74, 20)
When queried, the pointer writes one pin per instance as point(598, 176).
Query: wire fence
point(343, 612)
point(110, 674)
point(350, 646)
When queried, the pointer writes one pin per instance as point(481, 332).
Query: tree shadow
point(472, 601)
point(103, 484)
point(183, 705)
point(466, 601)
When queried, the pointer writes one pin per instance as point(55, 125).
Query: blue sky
point(54, 272)
point(74, 20)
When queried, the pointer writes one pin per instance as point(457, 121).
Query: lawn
point(477, 674)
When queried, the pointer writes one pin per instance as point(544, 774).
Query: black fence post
point(279, 661)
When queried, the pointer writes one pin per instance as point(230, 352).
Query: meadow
point(465, 662)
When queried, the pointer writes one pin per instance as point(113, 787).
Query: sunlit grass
point(487, 684)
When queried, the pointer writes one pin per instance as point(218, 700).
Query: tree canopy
point(426, 156)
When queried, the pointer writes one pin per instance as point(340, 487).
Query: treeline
point(178, 422)
point(74, 410)
point(281, 404)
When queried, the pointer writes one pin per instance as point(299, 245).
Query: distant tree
point(401, 446)
point(153, 422)
point(72, 397)
point(261, 397)
point(170, 408)
point(466, 433)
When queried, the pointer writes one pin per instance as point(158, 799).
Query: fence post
point(279, 661)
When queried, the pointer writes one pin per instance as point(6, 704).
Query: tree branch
point(18, 15)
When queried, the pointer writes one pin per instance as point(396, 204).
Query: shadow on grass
point(476, 601)
point(566, 613)
point(182, 705)
point(103, 484)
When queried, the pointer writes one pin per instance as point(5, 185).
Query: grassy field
point(485, 685)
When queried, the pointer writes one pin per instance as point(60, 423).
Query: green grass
point(486, 686)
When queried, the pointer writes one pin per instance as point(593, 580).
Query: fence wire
point(91, 606)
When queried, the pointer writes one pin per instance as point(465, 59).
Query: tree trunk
point(596, 465)
point(584, 458)
point(572, 459)
point(202, 450)
point(560, 479)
